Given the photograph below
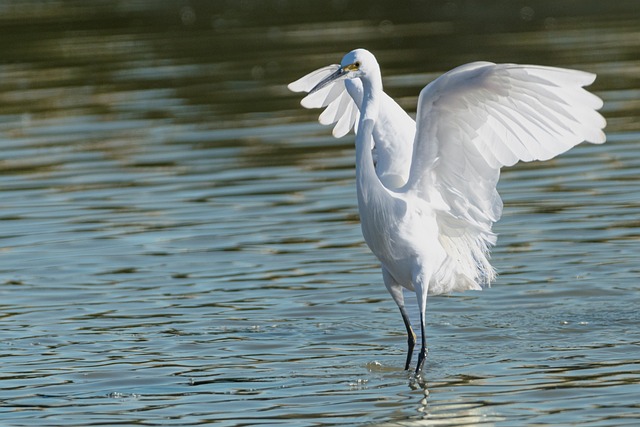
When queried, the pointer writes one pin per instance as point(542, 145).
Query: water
point(180, 244)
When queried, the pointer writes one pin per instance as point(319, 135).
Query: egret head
point(357, 63)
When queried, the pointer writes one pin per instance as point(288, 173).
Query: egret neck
point(368, 184)
point(375, 202)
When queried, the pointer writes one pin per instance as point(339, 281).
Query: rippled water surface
point(179, 240)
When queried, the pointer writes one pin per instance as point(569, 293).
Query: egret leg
point(411, 337)
point(396, 293)
point(421, 287)
point(423, 347)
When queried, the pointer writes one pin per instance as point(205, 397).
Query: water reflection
point(180, 239)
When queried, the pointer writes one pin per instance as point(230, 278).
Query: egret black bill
point(339, 74)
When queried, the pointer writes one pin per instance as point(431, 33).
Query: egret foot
point(421, 358)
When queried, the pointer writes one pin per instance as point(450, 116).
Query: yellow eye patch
point(352, 67)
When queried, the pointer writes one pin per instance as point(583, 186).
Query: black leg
point(396, 292)
point(411, 337)
point(423, 347)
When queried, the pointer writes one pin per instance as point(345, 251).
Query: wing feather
point(347, 121)
point(476, 119)
point(340, 107)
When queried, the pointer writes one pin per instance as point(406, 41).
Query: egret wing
point(477, 118)
point(340, 107)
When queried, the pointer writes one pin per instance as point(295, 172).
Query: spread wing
point(477, 118)
point(340, 107)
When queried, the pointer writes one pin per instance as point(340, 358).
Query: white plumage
point(427, 208)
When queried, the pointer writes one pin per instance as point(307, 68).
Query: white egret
point(432, 235)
